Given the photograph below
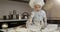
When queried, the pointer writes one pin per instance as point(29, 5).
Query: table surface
point(23, 28)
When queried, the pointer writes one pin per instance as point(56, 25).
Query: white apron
point(37, 22)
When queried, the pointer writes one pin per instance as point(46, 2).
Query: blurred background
point(52, 7)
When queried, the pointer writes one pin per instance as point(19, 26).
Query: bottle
point(14, 12)
point(19, 17)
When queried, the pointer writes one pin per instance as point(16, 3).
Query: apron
point(37, 22)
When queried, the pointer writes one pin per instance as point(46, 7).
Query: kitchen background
point(52, 8)
point(7, 6)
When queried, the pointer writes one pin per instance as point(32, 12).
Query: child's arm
point(31, 18)
point(45, 19)
point(29, 21)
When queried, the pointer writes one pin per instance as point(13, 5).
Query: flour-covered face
point(37, 7)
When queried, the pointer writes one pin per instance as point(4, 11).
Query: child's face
point(37, 7)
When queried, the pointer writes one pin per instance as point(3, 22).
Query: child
point(38, 17)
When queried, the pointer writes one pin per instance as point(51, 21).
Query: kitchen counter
point(13, 20)
point(13, 23)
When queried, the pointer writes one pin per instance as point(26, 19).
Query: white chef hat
point(32, 3)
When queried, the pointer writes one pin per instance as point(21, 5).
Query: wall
point(6, 6)
point(52, 8)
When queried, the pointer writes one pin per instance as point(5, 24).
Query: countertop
point(13, 20)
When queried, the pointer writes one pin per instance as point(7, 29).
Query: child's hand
point(30, 22)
